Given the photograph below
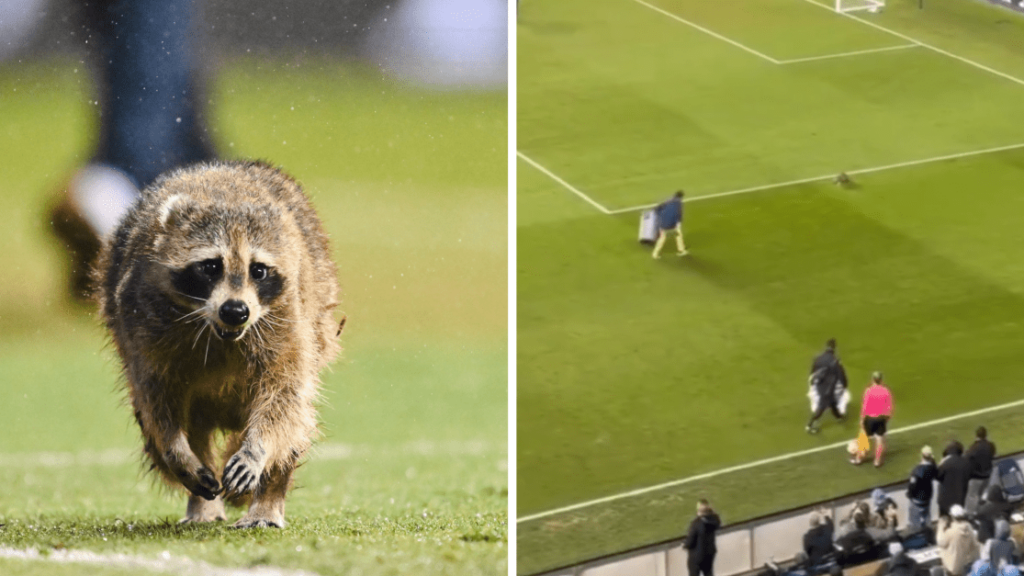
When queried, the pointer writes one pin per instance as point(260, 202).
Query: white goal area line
point(749, 465)
point(847, 54)
point(919, 43)
point(764, 56)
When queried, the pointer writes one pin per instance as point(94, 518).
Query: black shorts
point(875, 425)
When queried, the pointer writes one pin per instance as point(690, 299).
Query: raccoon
point(218, 290)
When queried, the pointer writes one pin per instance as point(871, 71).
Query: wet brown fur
point(186, 381)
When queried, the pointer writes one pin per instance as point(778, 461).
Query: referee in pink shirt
point(875, 414)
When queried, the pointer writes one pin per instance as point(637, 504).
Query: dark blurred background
point(440, 43)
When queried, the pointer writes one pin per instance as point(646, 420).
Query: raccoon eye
point(258, 271)
point(211, 268)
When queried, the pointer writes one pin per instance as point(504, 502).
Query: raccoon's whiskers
point(192, 313)
point(256, 331)
point(189, 297)
point(200, 333)
point(207, 355)
point(270, 316)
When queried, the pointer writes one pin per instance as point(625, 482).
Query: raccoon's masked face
point(228, 275)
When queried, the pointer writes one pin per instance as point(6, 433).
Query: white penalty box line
point(764, 56)
point(775, 185)
point(749, 465)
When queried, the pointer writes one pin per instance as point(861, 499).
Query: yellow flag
point(862, 441)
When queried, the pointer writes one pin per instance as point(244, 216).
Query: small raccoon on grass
point(842, 179)
point(218, 289)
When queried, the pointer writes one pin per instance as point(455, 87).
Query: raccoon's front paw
point(204, 484)
point(242, 473)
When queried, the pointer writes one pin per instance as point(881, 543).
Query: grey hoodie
point(1001, 547)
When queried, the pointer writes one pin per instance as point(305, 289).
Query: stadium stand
point(755, 547)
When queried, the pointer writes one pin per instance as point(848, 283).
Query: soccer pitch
point(411, 474)
point(634, 373)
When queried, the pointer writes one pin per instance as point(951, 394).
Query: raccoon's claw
point(241, 474)
point(204, 485)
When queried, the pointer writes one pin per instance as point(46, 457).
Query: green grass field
point(411, 476)
point(634, 372)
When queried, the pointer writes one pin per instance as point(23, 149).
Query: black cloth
point(875, 425)
point(901, 565)
point(827, 373)
point(954, 473)
point(818, 542)
point(700, 540)
point(981, 454)
point(856, 547)
point(705, 566)
point(921, 487)
point(994, 508)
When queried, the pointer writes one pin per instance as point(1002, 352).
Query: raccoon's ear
point(171, 211)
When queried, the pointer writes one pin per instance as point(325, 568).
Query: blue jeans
point(150, 87)
point(919, 515)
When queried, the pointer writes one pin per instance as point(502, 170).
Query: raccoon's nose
point(234, 312)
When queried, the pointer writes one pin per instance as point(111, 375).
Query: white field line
point(564, 184)
point(165, 563)
point(749, 465)
point(846, 54)
point(922, 44)
point(326, 452)
point(709, 32)
point(831, 176)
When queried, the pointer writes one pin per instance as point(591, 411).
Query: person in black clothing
point(857, 546)
point(994, 509)
point(954, 473)
point(899, 564)
point(827, 386)
point(700, 540)
point(980, 455)
point(920, 490)
point(818, 540)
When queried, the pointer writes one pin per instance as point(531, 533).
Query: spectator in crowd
point(700, 540)
point(958, 544)
point(818, 540)
point(954, 473)
point(883, 511)
point(857, 545)
point(848, 525)
point(980, 455)
point(994, 509)
point(920, 490)
point(1000, 549)
point(899, 564)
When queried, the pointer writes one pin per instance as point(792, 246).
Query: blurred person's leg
point(150, 93)
point(150, 86)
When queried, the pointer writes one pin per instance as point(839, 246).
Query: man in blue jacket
point(670, 219)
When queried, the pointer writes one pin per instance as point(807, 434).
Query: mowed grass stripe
point(756, 464)
point(809, 265)
point(659, 516)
